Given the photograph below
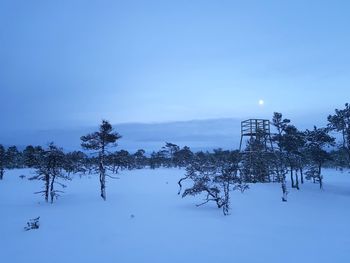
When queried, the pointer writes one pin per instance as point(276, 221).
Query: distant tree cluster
point(301, 154)
point(340, 123)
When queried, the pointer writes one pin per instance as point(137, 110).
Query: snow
point(144, 220)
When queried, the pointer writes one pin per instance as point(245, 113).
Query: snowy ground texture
point(144, 220)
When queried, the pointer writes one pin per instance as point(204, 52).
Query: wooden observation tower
point(256, 129)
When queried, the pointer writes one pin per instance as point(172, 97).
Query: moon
point(261, 102)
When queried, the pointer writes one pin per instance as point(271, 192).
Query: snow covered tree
point(292, 142)
point(49, 169)
point(340, 122)
point(318, 140)
point(214, 179)
point(256, 166)
point(339, 159)
point(302, 160)
point(279, 158)
point(2, 161)
point(100, 141)
point(290, 147)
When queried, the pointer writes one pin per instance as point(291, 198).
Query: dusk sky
point(72, 63)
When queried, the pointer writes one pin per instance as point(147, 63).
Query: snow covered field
point(144, 220)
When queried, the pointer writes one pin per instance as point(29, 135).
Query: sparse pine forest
point(296, 155)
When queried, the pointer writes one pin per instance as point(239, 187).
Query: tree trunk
point(47, 187)
point(296, 180)
point(291, 177)
point(52, 191)
point(226, 205)
point(102, 172)
point(282, 178)
point(102, 181)
point(1, 173)
point(320, 176)
point(102, 176)
point(301, 175)
point(284, 189)
point(348, 151)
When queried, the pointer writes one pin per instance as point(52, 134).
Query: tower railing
point(256, 128)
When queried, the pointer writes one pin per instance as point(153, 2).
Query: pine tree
point(100, 141)
point(169, 151)
point(256, 166)
point(13, 157)
point(318, 140)
point(292, 142)
point(31, 155)
point(340, 122)
point(49, 169)
point(183, 157)
point(75, 162)
point(139, 159)
point(120, 160)
point(279, 160)
point(214, 178)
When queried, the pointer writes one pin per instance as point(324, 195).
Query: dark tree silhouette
point(318, 140)
point(13, 157)
point(100, 141)
point(139, 159)
point(49, 169)
point(75, 162)
point(292, 142)
point(279, 160)
point(340, 122)
point(183, 157)
point(31, 156)
point(2, 161)
point(121, 160)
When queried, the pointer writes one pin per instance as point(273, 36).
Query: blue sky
point(72, 63)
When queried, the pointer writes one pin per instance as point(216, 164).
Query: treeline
point(80, 162)
point(169, 156)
